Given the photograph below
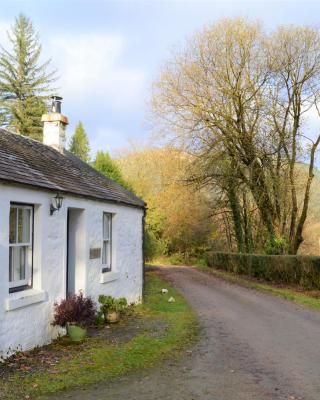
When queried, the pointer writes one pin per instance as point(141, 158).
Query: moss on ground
point(101, 360)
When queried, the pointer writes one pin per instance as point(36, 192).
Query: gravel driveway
point(252, 346)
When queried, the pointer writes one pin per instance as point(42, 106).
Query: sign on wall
point(95, 253)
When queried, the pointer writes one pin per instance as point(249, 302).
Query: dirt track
point(252, 346)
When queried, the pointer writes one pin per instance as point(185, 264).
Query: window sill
point(25, 298)
point(109, 276)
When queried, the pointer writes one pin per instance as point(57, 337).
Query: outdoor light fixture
point(56, 203)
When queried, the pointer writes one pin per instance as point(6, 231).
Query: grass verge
point(307, 298)
point(100, 360)
point(178, 259)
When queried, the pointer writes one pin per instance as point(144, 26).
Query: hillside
point(311, 244)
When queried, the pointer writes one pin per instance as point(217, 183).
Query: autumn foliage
point(179, 216)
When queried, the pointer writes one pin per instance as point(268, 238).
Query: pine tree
point(79, 143)
point(24, 81)
point(108, 167)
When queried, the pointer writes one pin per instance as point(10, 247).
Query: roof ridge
point(43, 166)
point(21, 135)
point(107, 178)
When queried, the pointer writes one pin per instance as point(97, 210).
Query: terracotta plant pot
point(112, 317)
point(76, 333)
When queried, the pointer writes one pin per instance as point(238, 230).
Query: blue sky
point(108, 52)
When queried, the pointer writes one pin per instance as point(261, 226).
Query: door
point(75, 251)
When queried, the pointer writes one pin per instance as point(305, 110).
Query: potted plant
point(111, 308)
point(75, 313)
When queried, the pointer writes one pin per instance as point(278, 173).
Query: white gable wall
point(26, 316)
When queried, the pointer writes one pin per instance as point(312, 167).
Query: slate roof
point(29, 162)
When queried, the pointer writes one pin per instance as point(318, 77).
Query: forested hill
point(311, 244)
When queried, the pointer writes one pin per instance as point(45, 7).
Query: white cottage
point(64, 228)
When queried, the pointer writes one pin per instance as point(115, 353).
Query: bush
point(276, 246)
point(153, 245)
point(76, 309)
point(297, 270)
point(110, 304)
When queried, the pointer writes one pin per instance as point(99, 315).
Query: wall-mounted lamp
point(56, 203)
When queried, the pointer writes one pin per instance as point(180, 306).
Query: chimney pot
point(56, 104)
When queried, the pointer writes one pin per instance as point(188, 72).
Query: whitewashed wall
point(25, 316)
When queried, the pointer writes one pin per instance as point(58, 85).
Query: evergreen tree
point(108, 167)
point(79, 144)
point(24, 81)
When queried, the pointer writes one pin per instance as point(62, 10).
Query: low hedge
point(293, 270)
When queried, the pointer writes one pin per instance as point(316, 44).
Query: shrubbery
point(298, 270)
point(76, 309)
point(110, 304)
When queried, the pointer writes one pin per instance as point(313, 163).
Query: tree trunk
point(236, 215)
point(246, 224)
point(260, 194)
point(298, 238)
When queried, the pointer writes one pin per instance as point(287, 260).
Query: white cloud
point(91, 67)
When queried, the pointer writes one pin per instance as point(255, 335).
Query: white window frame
point(107, 243)
point(27, 282)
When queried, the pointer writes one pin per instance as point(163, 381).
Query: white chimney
point(54, 128)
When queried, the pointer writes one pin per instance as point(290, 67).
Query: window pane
point(106, 226)
point(12, 223)
point(24, 220)
point(107, 240)
point(17, 270)
point(105, 253)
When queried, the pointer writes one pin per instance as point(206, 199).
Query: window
point(107, 242)
point(20, 247)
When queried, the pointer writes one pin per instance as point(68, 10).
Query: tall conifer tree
point(108, 167)
point(25, 83)
point(79, 144)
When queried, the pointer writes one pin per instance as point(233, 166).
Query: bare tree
point(239, 93)
point(295, 58)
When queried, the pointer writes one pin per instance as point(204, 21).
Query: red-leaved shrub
point(76, 309)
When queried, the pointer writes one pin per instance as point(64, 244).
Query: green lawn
point(100, 360)
point(309, 299)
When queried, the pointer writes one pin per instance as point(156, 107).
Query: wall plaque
point(95, 253)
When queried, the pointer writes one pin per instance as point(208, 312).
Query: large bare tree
point(235, 93)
